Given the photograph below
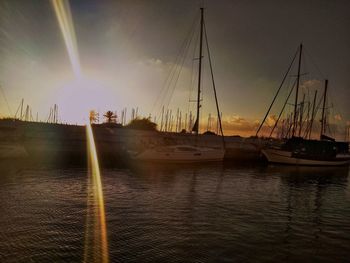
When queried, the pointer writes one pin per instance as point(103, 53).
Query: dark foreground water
point(212, 213)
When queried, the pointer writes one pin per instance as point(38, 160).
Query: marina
point(163, 131)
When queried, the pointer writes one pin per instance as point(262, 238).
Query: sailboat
point(189, 153)
point(298, 150)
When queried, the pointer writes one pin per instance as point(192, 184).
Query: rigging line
point(192, 72)
point(313, 63)
point(195, 71)
point(187, 47)
point(284, 106)
point(213, 82)
point(295, 121)
point(331, 111)
point(5, 99)
point(274, 99)
point(190, 32)
point(19, 106)
point(316, 111)
point(331, 100)
point(179, 72)
point(169, 81)
point(289, 85)
point(166, 84)
point(309, 125)
point(302, 105)
point(166, 93)
point(304, 85)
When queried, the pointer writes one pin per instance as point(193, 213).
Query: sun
point(77, 98)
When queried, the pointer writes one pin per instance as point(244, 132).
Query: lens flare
point(97, 241)
point(65, 21)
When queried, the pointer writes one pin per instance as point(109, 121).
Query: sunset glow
point(174, 131)
point(78, 97)
point(113, 55)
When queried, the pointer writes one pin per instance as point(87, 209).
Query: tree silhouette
point(142, 124)
point(110, 117)
point(93, 116)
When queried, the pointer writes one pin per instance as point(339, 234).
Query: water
point(211, 213)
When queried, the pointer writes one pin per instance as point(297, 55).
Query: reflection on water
point(211, 213)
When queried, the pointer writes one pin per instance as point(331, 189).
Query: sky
point(128, 49)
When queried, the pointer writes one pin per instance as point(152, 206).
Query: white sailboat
point(189, 153)
point(305, 151)
point(288, 157)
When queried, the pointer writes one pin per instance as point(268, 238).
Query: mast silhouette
point(196, 125)
point(312, 114)
point(323, 120)
point(203, 33)
point(295, 122)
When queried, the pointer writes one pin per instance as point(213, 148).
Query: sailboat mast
point(301, 115)
point(323, 120)
point(312, 114)
point(199, 71)
point(297, 93)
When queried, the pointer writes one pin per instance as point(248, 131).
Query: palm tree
point(110, 117)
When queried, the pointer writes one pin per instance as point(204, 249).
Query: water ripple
point(189, 214)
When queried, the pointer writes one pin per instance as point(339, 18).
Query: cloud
point(338, 117)
point(153, 62)
point(238, 125)
point(312, 84)
point(271, 120)
point(235, 120)
point(235, 124)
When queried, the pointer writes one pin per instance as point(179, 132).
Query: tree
point(110, 117)
point(93, 116)
point(142, 124)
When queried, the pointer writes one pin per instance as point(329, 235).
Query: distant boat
point(190, 153)
point(298, 150)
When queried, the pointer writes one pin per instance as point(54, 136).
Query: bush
point(142, 124)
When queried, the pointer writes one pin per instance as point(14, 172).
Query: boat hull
point(285, 157)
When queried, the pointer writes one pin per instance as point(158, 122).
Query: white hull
point(174, 154)
point(285, 157)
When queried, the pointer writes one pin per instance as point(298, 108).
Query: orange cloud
point(271, 120)
point(311, 84)
point(338, 117)
point(237, 125)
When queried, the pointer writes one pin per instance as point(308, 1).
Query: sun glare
point(76, 100)
point(65, 21)
point(96, 243)
point(78, 97)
